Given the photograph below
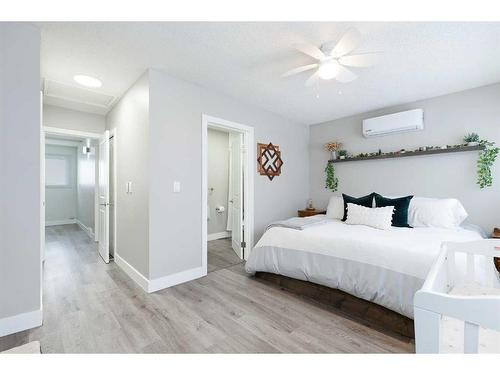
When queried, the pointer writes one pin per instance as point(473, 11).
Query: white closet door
point(104, 197)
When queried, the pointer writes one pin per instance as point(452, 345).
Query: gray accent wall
point(447, 119)
point(130, 118)
point(176, 109)
point(20, 266)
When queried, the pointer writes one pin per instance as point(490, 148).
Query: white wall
point(176, 108)
point(61, 202)
point(447, 119)
point(20, 267)
point(85, 212)
point(130, 116)
point(218, 179)
point(59, 117)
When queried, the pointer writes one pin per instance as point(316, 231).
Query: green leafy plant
point(486, 159)
point(331, 181)
point(471, 137)
point(342, 153)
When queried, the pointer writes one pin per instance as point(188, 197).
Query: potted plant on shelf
point(342, 154)
point(333, 147)
point(472, 139)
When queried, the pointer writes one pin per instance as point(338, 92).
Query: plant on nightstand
point(331, 182)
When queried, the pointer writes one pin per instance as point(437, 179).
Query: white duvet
point(383, 266)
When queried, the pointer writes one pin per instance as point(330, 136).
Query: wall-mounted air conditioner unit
point(394, 123)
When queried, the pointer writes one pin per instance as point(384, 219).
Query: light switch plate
point(177, 187)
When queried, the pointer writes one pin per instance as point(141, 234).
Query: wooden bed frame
point(364, 311)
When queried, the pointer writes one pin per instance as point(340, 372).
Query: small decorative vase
point(334, 155)
point(342, 157)
point(472, 144)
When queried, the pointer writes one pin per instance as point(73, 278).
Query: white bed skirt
point(384, 287)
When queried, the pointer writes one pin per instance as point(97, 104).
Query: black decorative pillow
point(366, 201)
point(400, 215)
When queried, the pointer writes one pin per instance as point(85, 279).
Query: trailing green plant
point(471, 137)
point(331, 181)
point(486, 159)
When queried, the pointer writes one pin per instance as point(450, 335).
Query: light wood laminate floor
point(93, 307)
point(221, 255)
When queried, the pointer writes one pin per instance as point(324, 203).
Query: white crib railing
point(433, 301)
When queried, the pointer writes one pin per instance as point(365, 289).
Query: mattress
point(386, 267)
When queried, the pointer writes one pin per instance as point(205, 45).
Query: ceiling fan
point(332, 61)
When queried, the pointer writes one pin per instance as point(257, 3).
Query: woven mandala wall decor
point(269, 160)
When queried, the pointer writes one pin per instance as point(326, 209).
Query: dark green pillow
point(400, 215)
point(366, 201)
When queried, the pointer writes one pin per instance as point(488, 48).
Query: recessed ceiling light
point(87, 80)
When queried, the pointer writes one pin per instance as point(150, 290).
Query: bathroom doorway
point(227, 194)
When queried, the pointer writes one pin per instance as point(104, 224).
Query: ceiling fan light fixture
point(329, 69)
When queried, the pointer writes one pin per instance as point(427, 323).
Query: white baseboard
point(86, 229)
point(135, 275)
point(59, 222)
point(175, 279)
point(20, 322)
point(154, 285)
point(218, 236)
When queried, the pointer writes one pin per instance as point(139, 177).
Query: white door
point(42, 182)
point(236, 201)
point(112, 198)
point(103, 185)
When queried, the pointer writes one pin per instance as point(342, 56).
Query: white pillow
point(432, 212)
point(335, 208)
point(379, 217)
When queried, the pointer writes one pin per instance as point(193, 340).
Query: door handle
point(104, 204)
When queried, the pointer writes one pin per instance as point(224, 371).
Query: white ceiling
point(245, 60)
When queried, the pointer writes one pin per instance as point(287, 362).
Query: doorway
point(77, 186)
point(227, 192)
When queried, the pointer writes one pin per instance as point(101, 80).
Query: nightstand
point(496, 234)
point(306, 213)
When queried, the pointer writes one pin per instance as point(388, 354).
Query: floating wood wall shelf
point(411, 153)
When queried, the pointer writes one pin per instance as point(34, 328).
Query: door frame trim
point(249, 168)
point(113, 134)
point(49, 130)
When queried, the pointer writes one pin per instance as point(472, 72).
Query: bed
point(385, 267)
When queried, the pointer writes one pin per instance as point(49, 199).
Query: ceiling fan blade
point(345, 75)
point(349, 41)
point(361, 60)
point(300, 69)
point(310, 50)
point(312, 79)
